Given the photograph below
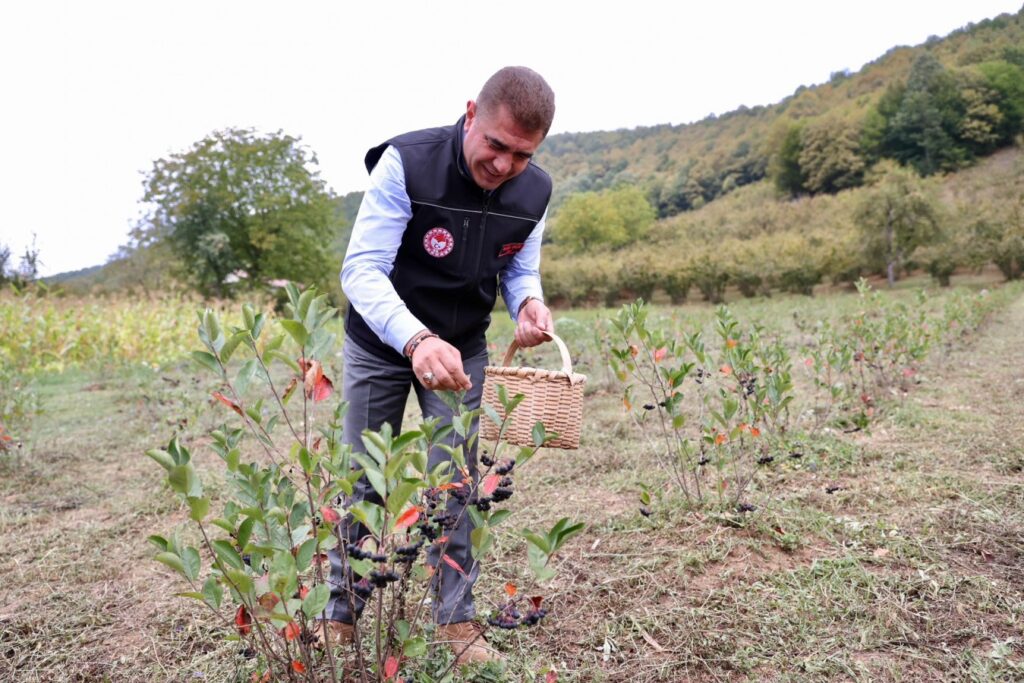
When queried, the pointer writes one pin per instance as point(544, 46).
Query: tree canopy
point(245, 205)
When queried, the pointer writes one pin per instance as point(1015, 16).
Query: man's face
point(496, 148)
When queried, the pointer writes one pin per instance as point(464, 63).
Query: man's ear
point(470, 113)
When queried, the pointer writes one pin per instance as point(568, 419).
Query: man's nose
point(502, 163)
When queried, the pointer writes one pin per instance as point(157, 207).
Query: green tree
point(923, 129)
point(896, 216)
point(238, 202)
point(784, 167)
point(607, 219)
point(830, 156)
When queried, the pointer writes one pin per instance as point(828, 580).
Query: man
point(451, 215)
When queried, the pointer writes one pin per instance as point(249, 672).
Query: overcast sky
point(93, 92)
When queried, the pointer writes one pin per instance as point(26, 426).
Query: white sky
point(92, 92)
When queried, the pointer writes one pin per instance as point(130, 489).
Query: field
point(888, 552)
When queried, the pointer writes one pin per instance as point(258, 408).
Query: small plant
point(715, 416)
point(265, 551)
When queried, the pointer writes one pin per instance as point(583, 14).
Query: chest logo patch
point(438, 242)
point(510, 249)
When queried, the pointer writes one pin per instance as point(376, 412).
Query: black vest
point(457, 241)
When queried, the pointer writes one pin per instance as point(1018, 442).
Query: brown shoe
point(467, 641)
point(334, 632)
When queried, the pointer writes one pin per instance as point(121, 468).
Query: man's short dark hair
point(527, 95)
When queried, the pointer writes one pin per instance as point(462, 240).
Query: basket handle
point(562, 348)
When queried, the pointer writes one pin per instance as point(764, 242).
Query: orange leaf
point(298, 667)
point(725, 370)
point(730, 343)
point(268, 601)
point(227, 401)
point(720, 439)
point(633, 350)
point(390, 668)
point(490, 483)
point(510, 589)
point(330, 515)
point(408, 518)
point(659, 354)
point(243, 620)
point(743, 427)
point(290, 388)
point(291, 631)
point(452, 563)
point(303, 592)
point(754, 431)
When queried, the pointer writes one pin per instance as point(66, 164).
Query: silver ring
point(428, 378)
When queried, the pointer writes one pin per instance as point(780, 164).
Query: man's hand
point(438, 359)
point(533, 321)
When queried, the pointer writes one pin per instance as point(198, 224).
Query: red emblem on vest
point(438, 242)
point(510, 249)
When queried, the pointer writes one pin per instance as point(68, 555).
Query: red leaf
point(490, 483)
point(552, 677)
point(243, 620)
point(318, 386)
point(268, 601)
point(510, 589)
point(330, 516)
point(303, 592)
point(536, 600)
point(754, 431)
point(390, 668)
point(725, 370)
point(441, 541)
point(659, 354)
point(298, 667)
point(291, 631)
point(452, 563)
point(228, 402)
point(407, 519)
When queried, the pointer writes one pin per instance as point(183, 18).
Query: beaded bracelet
point(417, 341)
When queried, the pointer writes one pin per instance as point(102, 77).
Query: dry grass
point(910, 571)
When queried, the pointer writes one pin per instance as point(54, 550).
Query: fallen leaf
point(243, 620)
point(510, 589)
point(298, 667)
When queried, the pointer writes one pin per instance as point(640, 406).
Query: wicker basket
point(552, 397)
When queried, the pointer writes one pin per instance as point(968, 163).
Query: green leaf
point(199, 507)
point(304, 557)
point(400, 496)
point(183, 480)
point(207, 360)
point(190, 563)
point(296, 330)
point(228, 555)
point(539, 437)
point(245, 375)
point(316, 600)
point(195, 596)
point(482, 540)
point(172, 561)
point(536, 539)
point(232, 344)
point(414, 647)
point(212, 593)
point(499, 516)
point(159, 541)
point(241, 581)
point(245, 531)
point(162, 457)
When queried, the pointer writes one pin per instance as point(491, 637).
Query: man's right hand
point(439, 359)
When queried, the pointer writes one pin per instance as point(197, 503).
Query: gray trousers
point(377, 391)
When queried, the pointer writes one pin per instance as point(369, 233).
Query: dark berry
point(746, 507)
point(832, 489)
point(501, 493)
point(506, 466)
point(765, 459)
point(645, 511)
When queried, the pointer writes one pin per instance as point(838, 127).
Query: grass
point(893, 555)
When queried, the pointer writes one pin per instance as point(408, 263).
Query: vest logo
point(510, 249)
point(438, 242)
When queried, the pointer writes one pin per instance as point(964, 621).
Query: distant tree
point(830, 156)
point(608, 219)
point(237, 202)
point(923, 119)
point(1007, 80)
point(784, 167)
point(896, 215)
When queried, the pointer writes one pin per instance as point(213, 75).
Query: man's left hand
point(533, 321)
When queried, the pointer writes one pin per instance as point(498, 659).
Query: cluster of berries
point(380, 579)
point(749, 385)
point(509, 616)
point(407, 553)
point(357, 553)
